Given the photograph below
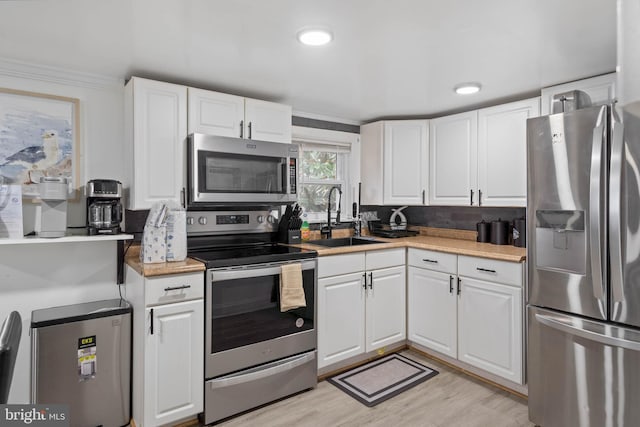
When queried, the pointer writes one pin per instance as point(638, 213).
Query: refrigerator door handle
point(595, 207)
point(615, 210)
point(568, 328)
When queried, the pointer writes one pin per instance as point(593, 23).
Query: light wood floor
point(448, 399)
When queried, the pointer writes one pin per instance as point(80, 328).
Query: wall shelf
point(70, 238)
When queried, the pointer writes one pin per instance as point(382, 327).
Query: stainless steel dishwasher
point(81, 357)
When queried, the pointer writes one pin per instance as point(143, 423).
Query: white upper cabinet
point(453, 147)
point(216, 113)
point(156, 131)
point(502, 152)
point(478, 158)
point(601, 89)
point(395, 161)
point(267, 121)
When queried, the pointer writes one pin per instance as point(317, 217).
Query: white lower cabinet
point(168, 347)
point(490, 327)
point(432, 310)
point(471, 311)
point(361, 303)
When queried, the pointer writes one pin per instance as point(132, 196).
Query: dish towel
point(291, 291)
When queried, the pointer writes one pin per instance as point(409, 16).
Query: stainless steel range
point(254, 353)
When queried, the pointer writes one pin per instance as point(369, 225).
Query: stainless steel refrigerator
point(583, 313)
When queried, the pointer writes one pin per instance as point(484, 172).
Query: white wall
point(34, 276)
point(101, 122)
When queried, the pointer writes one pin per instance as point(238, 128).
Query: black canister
point(499, 232)
point(520, 232)
point(484, 232)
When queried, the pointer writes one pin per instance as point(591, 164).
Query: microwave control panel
point(292, 176)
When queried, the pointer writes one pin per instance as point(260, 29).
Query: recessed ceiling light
point(467, 88)
point(315, 36)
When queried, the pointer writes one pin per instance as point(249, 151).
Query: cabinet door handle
point(459, 287)
point(371, 280)
point(364, 280)
point(250, 130)
point(183, 198)
point(423, 196)
point(241, 128)
point(479, 197)
point(176, 288)
point(152, 321)
point(486, 270)
point(450, 284)
point(471, 196)
point(432, 261)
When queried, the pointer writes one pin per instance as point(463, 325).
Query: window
point(326, 160)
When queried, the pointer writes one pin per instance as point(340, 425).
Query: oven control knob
point(190, 220)
point(271, 219)
point(260, 219)
point(202, 220)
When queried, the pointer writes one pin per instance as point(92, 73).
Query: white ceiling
point(389, 58)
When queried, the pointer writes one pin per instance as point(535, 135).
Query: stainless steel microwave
point(226, 171)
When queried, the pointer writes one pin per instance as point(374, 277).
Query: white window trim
point(351, 141)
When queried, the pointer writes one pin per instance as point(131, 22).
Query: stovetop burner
point(249, 254)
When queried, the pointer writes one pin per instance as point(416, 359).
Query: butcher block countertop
point(189, 265)
point(458, 242)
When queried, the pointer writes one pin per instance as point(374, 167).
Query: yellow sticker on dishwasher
point(87, 358)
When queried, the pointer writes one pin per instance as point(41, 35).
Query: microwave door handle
point(286, 183)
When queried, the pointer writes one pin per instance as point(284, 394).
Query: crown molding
point(45, 73)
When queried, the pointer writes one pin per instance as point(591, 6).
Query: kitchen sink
point(344, 241)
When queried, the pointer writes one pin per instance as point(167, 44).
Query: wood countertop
point(459, 246)
point(451, 241)
point(189, 265)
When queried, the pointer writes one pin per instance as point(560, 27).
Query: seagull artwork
point(37, 158)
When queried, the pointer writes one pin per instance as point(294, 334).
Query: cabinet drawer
point(385, 258)
point(432, 260)
point(340, 264)
point(509, 273)
point(173, 288)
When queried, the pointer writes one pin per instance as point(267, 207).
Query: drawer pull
point(433, 261)
point(486, 270)
point(176, 288)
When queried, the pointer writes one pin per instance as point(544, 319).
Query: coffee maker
point(104, 209)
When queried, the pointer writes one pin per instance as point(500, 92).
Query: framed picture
point(39, 136)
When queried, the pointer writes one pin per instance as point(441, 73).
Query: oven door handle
point(244, 273)
point(264, 371)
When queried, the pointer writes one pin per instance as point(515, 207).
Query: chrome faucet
point(326, 231)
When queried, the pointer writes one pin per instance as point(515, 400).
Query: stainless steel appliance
point(81, 357)
point(254, 353)
point(104, 209)
point(584, 267)
point(231, 171)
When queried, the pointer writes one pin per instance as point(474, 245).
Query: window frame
point(348, 164)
